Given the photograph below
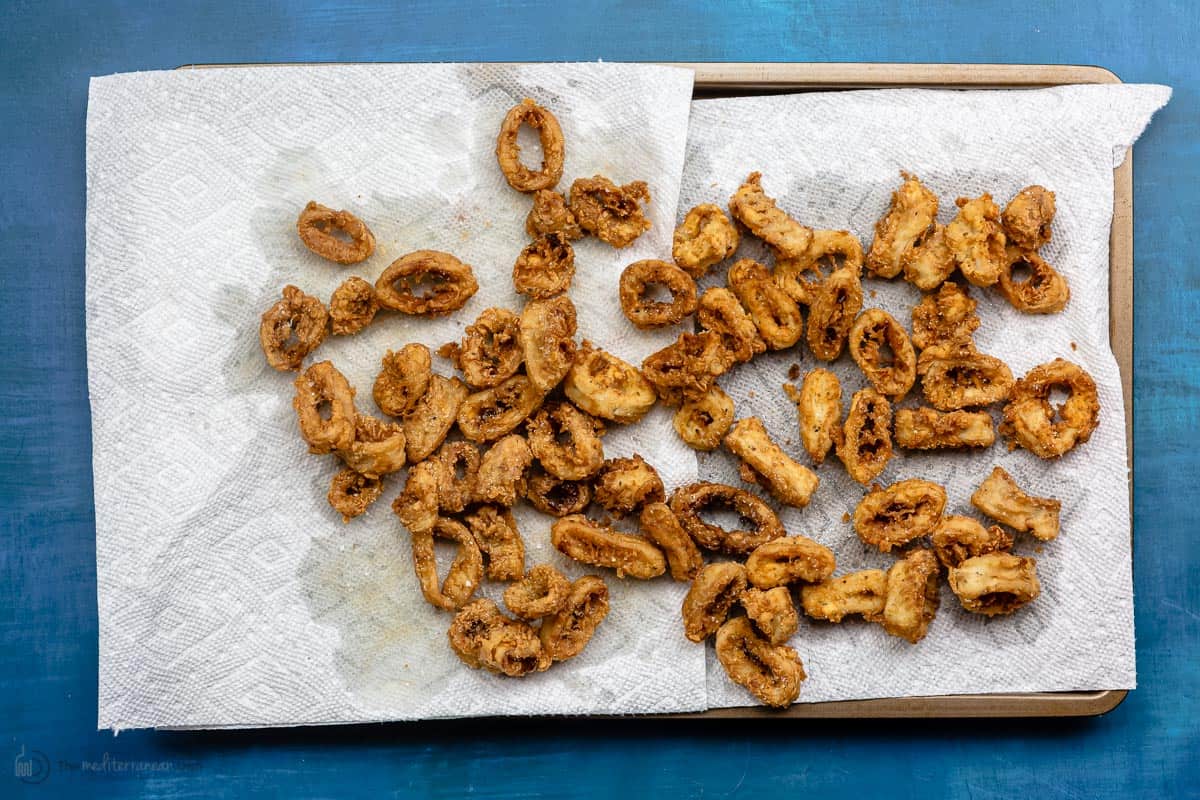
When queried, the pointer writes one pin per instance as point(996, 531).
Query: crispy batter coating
point(833, 310)
point(547, 337)
point(351, 493)
point(542, 592)
point(772, 612)
point(688, 502)
point(710, 597)
point(704, 238)
point(491, 413)
point(566, 441)
point(959, 376)
point(1027, 217)
point(607, 387)
point(1045, 291)
point(829, 250)
point(377, 449)
point(417, 504)
point(995, 583)
point(292, 328)
point(912, 595)
point(484, 638)
point(490, 350)
point(352, 306)
point(819, 408)
point(426, 283)
point(791, 559)
point(624, 485)
point(751, 207)
point(611, 213)
point(913, 211)
point(557, 497)
point(565, 633)
point(403, 380)
point(659, 524)
point(771, 672)
point(946, 317)
point(702, 423)
point(834, 599)
point(788, 482)
point(720, 312)
point(550, 214)
point(545, 267)
point(465, 573)
point(927, 429)
point(336, 235)
point(508, 152)
point(905, 510)
point(1000, 498)
point(777, 317)
point(324, 404)
point(880, 346)
point(929, 261)
point(636, 293)
point(503, 549)
point(688, 368)
point(598, 545)
point(955, 539)
point(458, 475)
point(1030, 420)
point(864, 443)
point(501, 478)
point(977, 240)
point(431, 419)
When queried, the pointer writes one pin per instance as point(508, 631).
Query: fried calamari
point(352, 306)
point(927, 429)
point(1030, 420)
point(880, 347)
point(704, 238)
point(1000, 498)
point(611, 213)
point(623, 485)
point(483, 638)
point(912, 595)
point(336, 235)
point(710, 597)
point(832, 312)
point(702, 423)
point(771, 672)
point(566, 441)
point(547, 338)
point(541, 592)
point(688, 368)
point(688, 502)
point(324, 404)
point(378, 447)
point(720, 312)
point(550, 214)
point(545, 267)
point(995, 583)
point(503, 549)
point(904, 511)
point(501, 478)
point(490, 351)
point(864, 443)
point(403, 380)
point(788, 560)
point(351, 493)
point(426, 426)
point(788, 482)
point(598, 545)
point(955, 539)
point(659, 525)
point(465, 573)
point(946, 317)
point(819, 407)
point(292, 328)
point(426, 283)
point(417, 505)
point(1027, 217)
point(959, 376)
point(637, 289)
point(607, 387)
point(1045, 291)
point(929, 261)
point(776, 315)
point(458, 475)
point(565, 633)
point(555, 496)
point(508, 152)
point(863, 593)
point(977, 240)
point(491, 413)
point(912, 213)
point(772, 612)
point(758, 212)
point(829, 250)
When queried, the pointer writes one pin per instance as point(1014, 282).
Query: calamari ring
point(547, 337)
point(501, 476)
point(545, 267)
point(503, 549)
point(956, 539)
point(491, 350)
point(776, 315)
point(403, 380)
point(508, 152)
point(819, 409)
point(550, 214)
point(660, 526)
point(1029, 419)
point(705, 237)
point(787, 560)
point(1045, 291)
point(613, 213)
point(913, 211)
point(874, 330)
point(710, 597)
point(864, 443)
point(377, 449)
point(1027, 217)
point(566, 441)
point(598, 545)
point(458, 473)
point(720, 312)
point(351, 493)
point(320, 386)
point(482, 637)
point(946, 317)
point(451, 283)
point(623, 485)
point(929, 261)
point(801, 277)
point(892, 517)
point(465, 573)
point(687, 369)
point(635, 282)
point(772, 611)
point(430, 421)
point(832, 313)
point(771, 672)
point(912, 595)
point(833, 599)
point(959, 376)
point(491, 413)
point(566, 633)
point(542, 591)
point(607, 387)
point(758, 212)
point(995, 583)
point(292, 328)
point(977, 240)
point(557, 497)
point(702, 423)
point(417, 505)
point(352, 306)
point(689, 501)
point(317, 224)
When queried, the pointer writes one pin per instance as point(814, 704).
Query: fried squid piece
point(771, 672)
point(1027, 217)
point(833, 310)
point(465, 572)
point(659, 525)
point(829, 250)
point(946, 317)
point(702, 423)
point(711, 596)
point(912, 595)
point(719, 312)
point(417, 504)
point(1030, 420)
point(555, 496)
point(501, 478)
point(503, 549)
point(996, 583)
point(704, 238)
point(550, 214)
point(772, 612)
point(352, 306)
point(864, 443)
point(403, 380)
point(905, 510)
point(483, 638)
point(977, 240)
point(611, 213)
point(598, 545)
point(623, 485)
point(351, 493)
point(791, 559)
point(508, 152)
point(607, 387)
point(1000, 498)
point(490, 350)
point(292, 328)
point(880, 346)
point(541, 592)
point(788, 482)
point(547, 336)
point(929, 261)
point(863, 593)
point(377, 449)
point(336, 235)
point(687, 369)
point(819, 407)
point(458, 474)
point(751, 207)
point(777, 317)
point(321, 388)
point(689, 501)
point(1045, 291)
point(426, 426)
point(637, 288)
point(927, 429)
point(491, 413)
point(912, 213)
point(426, 283)
point(959, 376)
point(566, 441)
point(545, 267)
point(955, 539)
point(565, 633)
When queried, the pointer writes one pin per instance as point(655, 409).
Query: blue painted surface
point(48, 50)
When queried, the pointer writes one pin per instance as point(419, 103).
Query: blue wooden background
point(48, 50)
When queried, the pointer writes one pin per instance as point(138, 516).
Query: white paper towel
point(832, 160)
point(230, 593)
